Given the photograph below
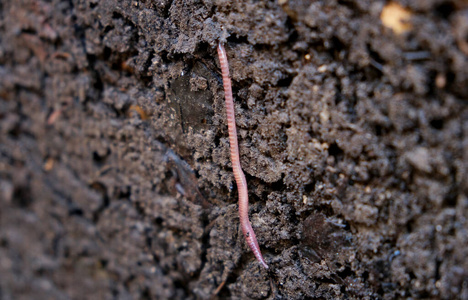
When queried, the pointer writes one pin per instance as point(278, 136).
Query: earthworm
point(241, 182)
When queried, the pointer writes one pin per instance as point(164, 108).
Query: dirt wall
point(115, 176)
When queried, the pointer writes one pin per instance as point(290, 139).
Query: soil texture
point(115, 175)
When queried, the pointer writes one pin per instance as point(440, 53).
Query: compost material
point(115, 177)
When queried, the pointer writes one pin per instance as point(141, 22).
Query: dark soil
point(115, 176)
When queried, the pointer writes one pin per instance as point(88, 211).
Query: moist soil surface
point(115, 175)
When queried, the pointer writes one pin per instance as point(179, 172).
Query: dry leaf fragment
point(396, 17)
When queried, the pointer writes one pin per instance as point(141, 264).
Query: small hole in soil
point(309, 188)
point(365, 275)
point(285, 82)
point(450, 200)
point(445, 9)
point(347, 272)
point(437, 124)
point(22, 196)
point(107, 53)
point(103, 263)
point(75, 212)
point(334, 150)
point(158, 221)
point(146, 294)
point(379, 130)
point(3, 243)
point(100, 159)
point(124, 192)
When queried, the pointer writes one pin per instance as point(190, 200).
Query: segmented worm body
point(249, 234)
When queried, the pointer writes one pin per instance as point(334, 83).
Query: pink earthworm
point(241, 182)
